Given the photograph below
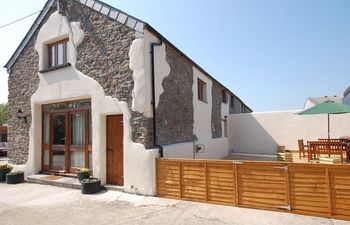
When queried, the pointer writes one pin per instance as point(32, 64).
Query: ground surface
point(25, 203)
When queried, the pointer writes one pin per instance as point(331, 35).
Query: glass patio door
point(66, 136)
point(59, 132)
point(77, 140)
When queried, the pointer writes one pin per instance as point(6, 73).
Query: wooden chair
point(312, 150)
point(302, 148)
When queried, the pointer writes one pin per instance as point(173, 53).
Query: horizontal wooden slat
point(311, 189)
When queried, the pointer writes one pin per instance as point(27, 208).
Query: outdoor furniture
point(330, 148)
point(346, 139)
point(302, 148)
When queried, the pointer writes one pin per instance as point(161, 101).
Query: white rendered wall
point(212, 148)
point(61, 85)
point(225, 111)
point(202, 110)
point(260, 133)
point(161, 66)
point(141, 66)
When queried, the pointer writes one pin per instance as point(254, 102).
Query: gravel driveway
point(40, 204)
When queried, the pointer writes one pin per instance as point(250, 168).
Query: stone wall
point(216, 111)
point(175, 108)
point(23, 82)
point(103, 55)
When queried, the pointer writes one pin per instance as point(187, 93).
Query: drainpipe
point(154, 98)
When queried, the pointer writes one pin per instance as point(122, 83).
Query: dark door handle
point(109, 149)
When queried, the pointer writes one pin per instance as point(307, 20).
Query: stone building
point(91, 86)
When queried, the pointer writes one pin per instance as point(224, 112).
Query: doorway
point(115, 162)
point(66, 136)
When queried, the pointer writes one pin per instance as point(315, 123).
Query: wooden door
point(115, 172)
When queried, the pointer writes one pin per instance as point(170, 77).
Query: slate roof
point(347, 91)
point(334, 98)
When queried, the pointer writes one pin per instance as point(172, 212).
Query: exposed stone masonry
point(103, 55)
point(175, 109)
point(23, 82)
point(216, 111)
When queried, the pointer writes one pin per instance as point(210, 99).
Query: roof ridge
point(115, 14)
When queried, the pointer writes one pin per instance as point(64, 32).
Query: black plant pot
point(14, 178)
point(3, 174)
point(83, 175)
point(90, 187)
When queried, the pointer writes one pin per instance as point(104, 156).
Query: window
point(224, 96)
point(202, 90)
point(232, 101)
point(58, 53)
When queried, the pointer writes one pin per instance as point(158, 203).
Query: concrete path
point(25, 203)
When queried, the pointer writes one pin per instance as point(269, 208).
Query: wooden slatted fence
point(310, 189)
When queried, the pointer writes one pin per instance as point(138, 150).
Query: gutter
point(154, 98)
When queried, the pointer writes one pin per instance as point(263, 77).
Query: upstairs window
point(202, 90)
point(224, 96)
point(58, 53)
point(232, 101)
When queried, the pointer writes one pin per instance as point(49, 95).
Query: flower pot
point(14, 178)
point(90, 186)
point(83, 175)
point(3, 174)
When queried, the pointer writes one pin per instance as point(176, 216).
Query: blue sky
point(273, 54)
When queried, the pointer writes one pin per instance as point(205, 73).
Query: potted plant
point(15, 177)
point(90, 185)
point(4, 169)
point(83, 173)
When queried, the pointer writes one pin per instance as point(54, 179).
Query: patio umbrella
point(328, 107)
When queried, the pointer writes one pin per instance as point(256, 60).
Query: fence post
point(157, 178)
point(206, 181)
point(330, 211)
point(180, 180)
point(286, 176)
point(236, 183)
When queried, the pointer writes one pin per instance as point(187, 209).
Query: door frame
point(67, 112)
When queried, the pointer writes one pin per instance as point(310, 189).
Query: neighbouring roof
point(136, 24)
point(347, 91)
point(319, 100)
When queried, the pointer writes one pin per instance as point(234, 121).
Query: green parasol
point(328, 107)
